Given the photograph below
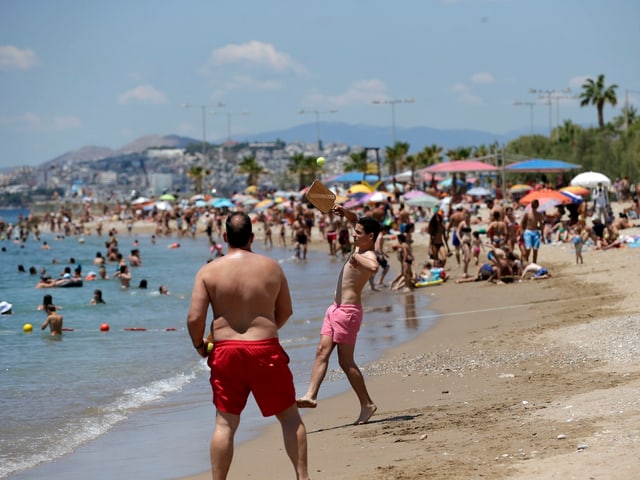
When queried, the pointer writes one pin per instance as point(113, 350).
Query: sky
point(92, 72)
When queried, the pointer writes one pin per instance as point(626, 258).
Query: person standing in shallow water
point(343, 319)
point(246, 355)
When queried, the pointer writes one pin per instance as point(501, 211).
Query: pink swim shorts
point(342, 323)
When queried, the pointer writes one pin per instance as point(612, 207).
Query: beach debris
point(582, 447)
point(506, 375)
point(562, 436)
point(423, 436)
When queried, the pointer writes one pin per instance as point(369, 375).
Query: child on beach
point(578, 238)
point(476, 246)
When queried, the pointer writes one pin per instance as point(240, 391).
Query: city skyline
point(76, 73)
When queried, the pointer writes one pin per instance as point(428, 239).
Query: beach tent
point(352, 177)
point(460, 166)
point(541, 165)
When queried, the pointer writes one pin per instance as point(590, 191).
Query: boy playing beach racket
point(343, 319)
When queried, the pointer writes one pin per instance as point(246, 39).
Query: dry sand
point(535, 380)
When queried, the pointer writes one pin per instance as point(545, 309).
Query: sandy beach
point(533, 380)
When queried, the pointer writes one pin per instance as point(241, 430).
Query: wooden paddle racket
point(320, 196)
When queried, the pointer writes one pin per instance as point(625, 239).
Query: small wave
point(69, 437)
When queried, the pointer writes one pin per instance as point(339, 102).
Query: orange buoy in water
point(104, 327)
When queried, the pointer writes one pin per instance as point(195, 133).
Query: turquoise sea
point(137, 404)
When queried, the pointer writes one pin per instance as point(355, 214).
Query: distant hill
point(370, 136)
point(330, 132)
point(91, 153)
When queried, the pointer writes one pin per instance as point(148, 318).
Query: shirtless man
point(250, 298)
point(531, 226)
point(53, 321)
point(343, 319)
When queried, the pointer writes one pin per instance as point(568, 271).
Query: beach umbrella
point(163, 205)
point(167, 197)
point(583, 192)
point(519, 188)
point(262, 204)
point(222, 203)
point(590, 180)
point(197, 197)
point(251, 189)
point(359, 188)
point(413, 194)
point(544, 195)
point(574, 197)
point(478, 192)
point(374, 197)
point(200, 203)
point(424, 201)
point(446, 183)
point(140, 200)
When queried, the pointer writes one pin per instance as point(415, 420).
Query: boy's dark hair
point(370, 225)
point(239, 229)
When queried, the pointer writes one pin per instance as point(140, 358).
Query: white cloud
point(13, 58)
point(358, 93)
point(482, 78)
point(143, 94)
point(246, 81)
point(259, 54)
point(459, 88)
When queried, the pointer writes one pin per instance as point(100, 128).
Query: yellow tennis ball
point(320, 161)
point(27, 327)
point(209, 347)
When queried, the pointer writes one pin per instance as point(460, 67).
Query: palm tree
point(252, 168)
point(595, 93)
point(198, 173)
point(394, 156)
point(305, 167)
point(357, 163)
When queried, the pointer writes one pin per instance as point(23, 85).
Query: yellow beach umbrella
point(360, 188)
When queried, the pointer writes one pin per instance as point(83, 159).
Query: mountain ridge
point(330, 132)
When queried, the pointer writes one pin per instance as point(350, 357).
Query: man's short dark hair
point(370, 225)
point(239, 229)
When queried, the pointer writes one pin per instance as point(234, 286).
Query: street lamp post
point(204, 109)
point(548, 95)
point(317, 114)
point(229, 115)
point(530, 105)
point(393, 103)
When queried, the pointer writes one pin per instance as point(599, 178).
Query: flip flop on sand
point(306, 403)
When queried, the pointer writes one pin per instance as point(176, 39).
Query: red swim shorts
point(261, 367)
point(342, 323)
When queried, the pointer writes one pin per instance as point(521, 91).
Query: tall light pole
point(393, 102)
point(229, 115)
point(547, 94)
point(530, 105)
point(317, 114)
point(204, 109)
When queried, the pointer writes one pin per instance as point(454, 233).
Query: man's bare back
point(53, 321)
point(249, 295)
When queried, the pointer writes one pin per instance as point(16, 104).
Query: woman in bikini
point(464, 235)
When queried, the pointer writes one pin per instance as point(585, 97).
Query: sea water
point(126, 404)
